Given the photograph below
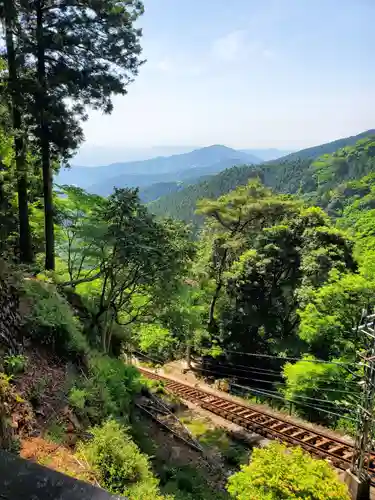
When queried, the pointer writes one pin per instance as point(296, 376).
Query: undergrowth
point(49, 320)
point(119, 465)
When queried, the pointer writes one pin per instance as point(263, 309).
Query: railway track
point(338, 451)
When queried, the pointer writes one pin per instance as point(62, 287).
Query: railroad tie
point(287, 429)
point(311, 437)
point(298, 434)
point(322, 442)
point(348, 456)
point(337, 448)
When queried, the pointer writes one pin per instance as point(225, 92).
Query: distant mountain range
point(179, 180)
point(285, 174)
point(173, 171)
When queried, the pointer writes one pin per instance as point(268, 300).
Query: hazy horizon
point(247, 74)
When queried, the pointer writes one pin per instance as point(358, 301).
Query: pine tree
point(8, 14)
point(85, 51)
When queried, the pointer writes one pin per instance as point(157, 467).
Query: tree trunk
point(212, 326)
point(26, 253)
point(188, 356)
point(44, 143)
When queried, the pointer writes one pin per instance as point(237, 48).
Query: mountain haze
point(200, 162)
point(267, 154)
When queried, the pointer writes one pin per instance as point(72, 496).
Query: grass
point(234, 453)
point(56, 432)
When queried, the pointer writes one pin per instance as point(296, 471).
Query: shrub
point(306, 379)
point(15, 364)
point(50, 320)
point(119, 465)
point(108, 390)
point(77, 398)
point(277, 473)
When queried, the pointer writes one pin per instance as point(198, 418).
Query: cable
point(236, 376)
point(307, 405)
point(250, 369)
point(276, 393)
point(242, 377)
point(287, 358)
point(158, 361)
point(258, 380)
point(246, 367)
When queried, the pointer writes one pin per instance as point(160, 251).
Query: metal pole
point(365, 426)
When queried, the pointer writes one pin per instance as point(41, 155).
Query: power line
point(307, 405)
point(245, 367)
point(288, 358)
point(324, 401)
point(263, 380)
point(326, 389)
point(250, 368)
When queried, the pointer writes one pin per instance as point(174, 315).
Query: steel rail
point(338, 451)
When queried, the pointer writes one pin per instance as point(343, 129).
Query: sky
point(245, 73)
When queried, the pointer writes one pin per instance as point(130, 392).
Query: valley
point(181, 319)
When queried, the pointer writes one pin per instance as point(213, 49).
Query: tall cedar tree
point(82, 53)
point(8, 14)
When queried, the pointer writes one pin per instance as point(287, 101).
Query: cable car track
point(336, 450)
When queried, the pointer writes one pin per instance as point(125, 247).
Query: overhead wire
point(214, 372)
point(289, 358)
point(299, 396)
point(308, 405)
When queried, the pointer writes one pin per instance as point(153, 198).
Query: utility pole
point(358, 478)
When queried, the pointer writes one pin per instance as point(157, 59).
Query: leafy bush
point(50, 320)
point(77, 398)
point(108, 390)
point(120, 466)
point(306, 380)
point(15, 364)
point(157, 341)
point(277, 473)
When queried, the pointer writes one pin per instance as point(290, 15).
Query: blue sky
point(247, 73)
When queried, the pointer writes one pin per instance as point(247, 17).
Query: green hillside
point(327, 148)
point(291, 174)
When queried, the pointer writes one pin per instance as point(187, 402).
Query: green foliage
point(50, 320)
point(56, 432)
point(292, 174)
point(261, 251)
point(118, 463)
point(319, 391)
point(15, 364)
point(77, 399)
point(107, 391)
point(120, 257)
point(187, 483)
point(276, 473)
point(351, 162)
point(156, 341)
point(332, 313)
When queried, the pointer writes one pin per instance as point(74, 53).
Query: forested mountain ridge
point(327, 148)
point(297, 174)
point(203, 161)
